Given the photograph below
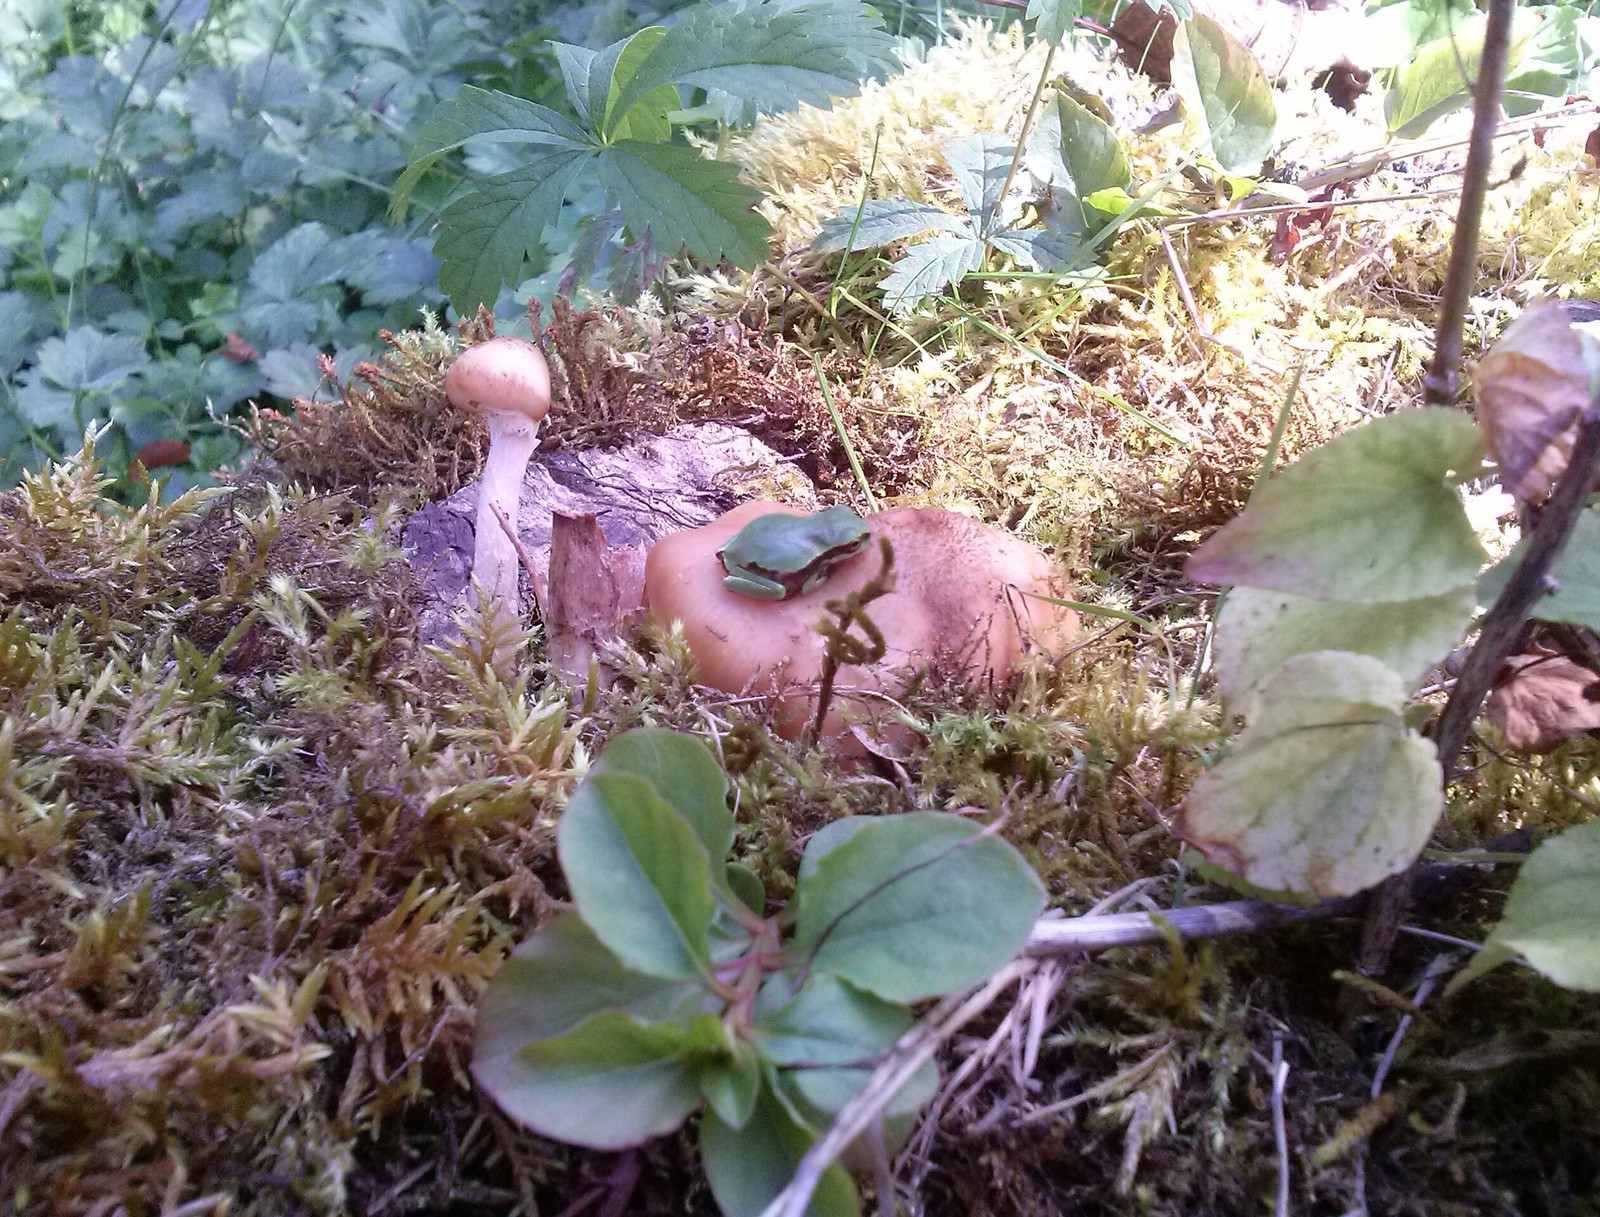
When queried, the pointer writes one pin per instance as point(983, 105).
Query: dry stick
point(1387, 908)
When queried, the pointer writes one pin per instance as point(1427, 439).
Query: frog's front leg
point(755, 585)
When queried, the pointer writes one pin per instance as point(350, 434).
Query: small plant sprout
point(507, 381)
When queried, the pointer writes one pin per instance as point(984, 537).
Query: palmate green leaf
point(1576, 598)
point(927, 267)
point(1052, 19)
point(485, 237)
point(1370, 517)
point(1327, 790)
point(911, 906)
point(1226, 97)
point(608, 73)
point(86, 360)
point(684, 199)
point(682, 771)
point(773, 54)
point(1552, 916)
point(1257, 630)
point(883, 221)
point(747, 1167)
point(612, 1082)
point(640, 877)
point(486, 114)
point(981, 164)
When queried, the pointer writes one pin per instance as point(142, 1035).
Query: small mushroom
point(956, 606)
point(507, 381)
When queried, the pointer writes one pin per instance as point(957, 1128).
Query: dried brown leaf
point(1544, 700)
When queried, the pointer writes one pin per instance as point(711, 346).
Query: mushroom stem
point(494, 558)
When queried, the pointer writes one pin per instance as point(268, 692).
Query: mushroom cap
point(501, 376)
point(955, 607)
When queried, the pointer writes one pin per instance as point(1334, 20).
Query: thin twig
point(1280, 1132)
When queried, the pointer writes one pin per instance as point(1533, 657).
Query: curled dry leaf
point(1531, 387)
point(1543, 700)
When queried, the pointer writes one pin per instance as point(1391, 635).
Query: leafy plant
point(667, 988)
point(747, 56)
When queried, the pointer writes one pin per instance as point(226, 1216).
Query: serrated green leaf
point(612, 1082)
point(1576, 598)
point(1552, 913)
point(882, 221)
point(1257, 630)
point(1439, 77)
point(85, 360)
point(1043, 248)
point(927, 267)
point(1372, 516)
point(575, 63)
point(485, 237)
point(486, 114)
point(639, 876)
point(1327, 790)
point(772, 54)
point(747, 1167)
point(1052, 19)
point(295, 263)
point(981, 164)
point(682, 771)
point(915, 905)
point(682, 199)
point(645, 119)
point(1226, 97)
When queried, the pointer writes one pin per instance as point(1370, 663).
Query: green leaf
point(1440, 76)
point(84, 360)
point(746, 886)
point(1552, 916)
point(1326, 790)
point(773, 54)
point(1372, 516)
point(1052, 19)
point(1257, 630)
point(1226, 97)
point(1576, 598)
point(646, 119)
point(747, 1167)
point(485, 114)
point(731, 1082)
point(640, 877)
point(981, 164)
point(683, 199)
point(1551, 65)
point(486, 236)
point(915, 905)
point(927, 267)
point(610, 1083)
point(830, 1022)
point(576, 63)
point(1043, 248)
point(882, 221)
point(1078, 150)
point(682, 771)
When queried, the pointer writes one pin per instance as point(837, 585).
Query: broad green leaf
point(1327, 790)
point(684, 199)
point(747, 1167)
point(927, 267)
point(1257, 630)
point(640, 877)
point(1439, 77)
point(295, 263)
point(682, 771)
point(1043, 248)
point(646, 119)
point(485, 237)
point(85, 360)
point(746, 885)
point(1551, 64)
point(557, 977)
point(882, 221)
point(1393, 33)
point(1052, 19)
point(1372, 516)
point(915, 905)
point(575, 63)
point(610, 1083)
point(475, 113)
point(1226, 97)
point(830, 1022)
point(772, 54)
point(981, 164)
point(1552, 916)
point(1078, 149)
point(1576, 598)
point(731, 1082)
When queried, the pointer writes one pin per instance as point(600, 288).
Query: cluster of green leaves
point(741, 59)
point(667, 988)
point(1350, 574)
point(177, 173)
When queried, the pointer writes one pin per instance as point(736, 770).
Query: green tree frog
point(777, 555)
